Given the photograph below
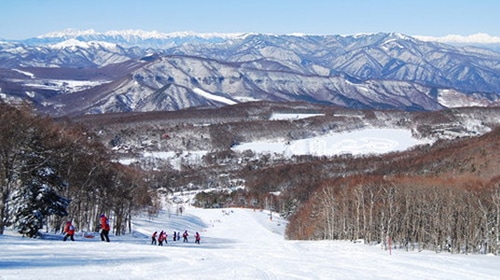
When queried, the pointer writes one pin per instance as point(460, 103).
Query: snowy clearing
point(287, 116)
point(29, 74)
point(236, 244)
point(66, 86)
point(214, 97)
point(360, 142)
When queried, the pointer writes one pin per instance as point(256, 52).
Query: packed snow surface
point(236, 244)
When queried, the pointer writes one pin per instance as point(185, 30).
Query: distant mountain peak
point(82, 44)
point(73, 33)
point(129, 38)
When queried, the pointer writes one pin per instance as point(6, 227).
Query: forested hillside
point(51, 172)
point(444, 195)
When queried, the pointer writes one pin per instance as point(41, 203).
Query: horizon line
point(477, 38)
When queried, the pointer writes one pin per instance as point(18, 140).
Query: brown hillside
point(475, 156)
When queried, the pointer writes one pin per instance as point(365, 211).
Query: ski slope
point(236, 244)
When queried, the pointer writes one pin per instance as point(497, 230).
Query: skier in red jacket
point(69, 230)
point(162, 237)
point(104, 228)
point(197, 238)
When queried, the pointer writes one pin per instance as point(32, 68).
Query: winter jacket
point(162, 236)
point(104, 223)
point(69, 229)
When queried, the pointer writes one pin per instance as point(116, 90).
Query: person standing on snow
point(104, 228)
point(165, 237)
point(197, 238)
point(175, 236)
point(185, 235)
point(162, 237)
point(69, 230)
point(153, 238)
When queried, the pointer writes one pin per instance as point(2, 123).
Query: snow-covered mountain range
point(146, 71)
point(130, 38)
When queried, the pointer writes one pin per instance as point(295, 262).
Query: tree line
point(441, 197)
point(455, 214)
point(52, 172)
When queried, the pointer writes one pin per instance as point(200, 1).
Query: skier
point(197, 238)
point(185, 235)
point(162, 237)
point(165, 237)
point(153, 238)
point(175, 236)
point(104, 228)
point(69, 230)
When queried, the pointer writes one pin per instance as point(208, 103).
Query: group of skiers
point(162, 236)
point(69, 229)
point(69, 232)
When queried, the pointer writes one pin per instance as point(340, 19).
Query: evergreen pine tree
point(35, 200)
point(37, 195)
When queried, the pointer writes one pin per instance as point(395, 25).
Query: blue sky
point(21, 19)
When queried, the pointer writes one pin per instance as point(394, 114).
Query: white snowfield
point(236, 244)
point(359, 142)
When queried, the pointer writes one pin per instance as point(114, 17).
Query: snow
point(235, 244)
point(70, 43)
point(71, 33)
point(73, 43)
point(359, 142)
point(31, 75)
point(453, 99)
point(287, 116)
point(68, 86)
point(175, 159)
point(214, 97)
point(246, 98)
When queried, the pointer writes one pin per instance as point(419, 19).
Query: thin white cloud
point(478, 38)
